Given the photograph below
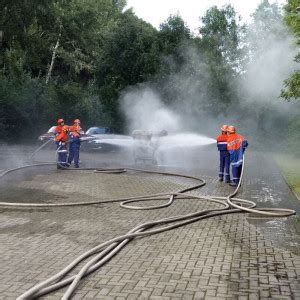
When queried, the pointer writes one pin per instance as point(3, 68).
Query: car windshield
point(98, 130)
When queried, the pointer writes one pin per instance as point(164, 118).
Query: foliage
point(220, 43)
point(293, 134)
point(173, 33)
point(30, 32)
point(292, 85)
point(220, 35)
point(129, 56)
point(74, 58)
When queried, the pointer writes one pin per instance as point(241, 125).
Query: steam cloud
point(144, 110)
point(192, 107)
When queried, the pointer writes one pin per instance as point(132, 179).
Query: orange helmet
point(59, 121)
point(231, 129)
point(77, 121)
point(65, 128)
point(224, 128)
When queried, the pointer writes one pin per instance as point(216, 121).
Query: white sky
point(157, 11)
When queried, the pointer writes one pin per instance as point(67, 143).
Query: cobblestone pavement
point(229, 257)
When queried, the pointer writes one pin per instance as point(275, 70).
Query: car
point(99, 130)
point(105, 140)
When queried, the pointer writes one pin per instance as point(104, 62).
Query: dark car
point(105, 140)
point(99, 130)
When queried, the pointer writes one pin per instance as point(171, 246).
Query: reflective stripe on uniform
point(236, 163)
point(222, 143)
point(235, 142)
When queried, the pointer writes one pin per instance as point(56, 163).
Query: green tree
point(220, 36)
point(130, 55)
point(220, 44)
point(174, 37)
point(48, 59)
point(78, 26)
point(173, 34)
point(292, 85)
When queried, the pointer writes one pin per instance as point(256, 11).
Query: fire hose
point(105, 251)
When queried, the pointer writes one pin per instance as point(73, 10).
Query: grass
point(290, 167)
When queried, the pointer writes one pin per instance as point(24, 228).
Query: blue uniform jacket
point(236, 147)
point(74, 141)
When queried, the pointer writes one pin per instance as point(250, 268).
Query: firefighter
point(236, 145)
point(74, 143)
point(61, 140)
point(60, 124)
point(57, 132)
point(224, 155)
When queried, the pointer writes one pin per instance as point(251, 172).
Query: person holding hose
point(74, 143)
point(224, 155)
point(60, 124)
point(236, 145)
point(58, 130)
point(61, 140)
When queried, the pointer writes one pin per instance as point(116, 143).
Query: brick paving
point(228, 257)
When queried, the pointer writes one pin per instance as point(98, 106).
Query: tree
point(220, 35)
point(173, 34)
point(56, 42)
point(292, 85)
point(220, 43)
point(130, 55)
point(269, 62)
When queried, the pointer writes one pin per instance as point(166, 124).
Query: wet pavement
point(234, 256)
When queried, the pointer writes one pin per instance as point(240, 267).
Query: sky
point(157, 11)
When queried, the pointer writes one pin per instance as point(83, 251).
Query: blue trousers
point(62, 154)
point(224, 165)
point(236, 173)
point(74, 153)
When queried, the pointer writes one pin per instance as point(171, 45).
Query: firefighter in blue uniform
point(236, 145)
point(224, 155)
point(58, 130)
point(61, 141)
point(74, 143)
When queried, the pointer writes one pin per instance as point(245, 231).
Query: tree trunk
point(52, 60)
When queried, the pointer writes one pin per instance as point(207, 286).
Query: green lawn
point(290, 167)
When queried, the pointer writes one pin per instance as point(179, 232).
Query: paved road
point(233, 256)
